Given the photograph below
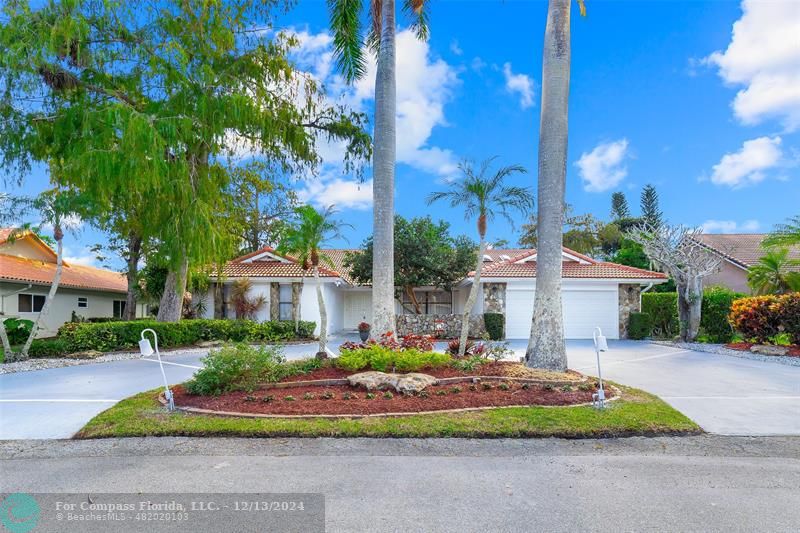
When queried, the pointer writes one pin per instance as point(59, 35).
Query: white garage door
point(357, 308)
point(583, 311)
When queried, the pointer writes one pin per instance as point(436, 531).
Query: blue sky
point(661, 92)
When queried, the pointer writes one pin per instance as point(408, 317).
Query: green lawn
point(638, 413)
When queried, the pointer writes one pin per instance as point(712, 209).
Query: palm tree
point(771, 274)
point(546, 348)
point(485, 196)
point(787, 234)
point(52, 207)
point(304, 241)
point(348, 49)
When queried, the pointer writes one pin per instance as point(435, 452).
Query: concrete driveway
point(723, 394)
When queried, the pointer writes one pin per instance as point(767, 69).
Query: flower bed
point(791, 350)
point(346, 400)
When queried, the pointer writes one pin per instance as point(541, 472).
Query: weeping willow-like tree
point(141, 103)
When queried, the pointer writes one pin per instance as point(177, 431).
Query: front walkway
point(723, 394)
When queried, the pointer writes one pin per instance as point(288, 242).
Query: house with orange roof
point(595, 293)
point(27, 269)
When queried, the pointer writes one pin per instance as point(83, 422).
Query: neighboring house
point(595, 293)
point(27, 268)
point(739, 251)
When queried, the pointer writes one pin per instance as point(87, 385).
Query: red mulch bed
point(794, 350)
point(493, 368)
point(358, 404)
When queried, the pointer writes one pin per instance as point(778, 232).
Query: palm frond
point(417, 10)
point(787, 234)
point(348, 40)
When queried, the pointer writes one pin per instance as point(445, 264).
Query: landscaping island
point(386, 389)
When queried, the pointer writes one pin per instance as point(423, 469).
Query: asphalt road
point(705, 483)
point(724, 395)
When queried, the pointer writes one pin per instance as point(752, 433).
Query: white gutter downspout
point(650, 286)
point(12, 293)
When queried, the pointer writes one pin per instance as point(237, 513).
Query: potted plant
point(363, 331)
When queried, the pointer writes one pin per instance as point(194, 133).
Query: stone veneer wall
point(450, 325)
point(297, 289)
point(494, 298)
point(274, 300)
point(628, 303)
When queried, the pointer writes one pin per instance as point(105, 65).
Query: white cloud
point(730, 226)
point(339, 192)
point(455, 48)
point(749, 164)
point(84, 256)
point(603, 168)
point(477, 64)
point(424, 86)
point(764, 57)
point(520, 84)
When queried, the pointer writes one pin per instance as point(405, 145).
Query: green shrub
point(663, 310)
point(382, 359)
point(716, 307)
point(18, 330)
point(238, 367)
point(494, 325)
point(48, 348)
point(117, 335)
point(640, 326)
point(761, 318)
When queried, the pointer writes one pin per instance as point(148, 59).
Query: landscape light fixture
point(146, 349)
point(600, 345)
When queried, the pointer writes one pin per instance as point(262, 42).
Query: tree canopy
point(426, 255)
point(142, 102)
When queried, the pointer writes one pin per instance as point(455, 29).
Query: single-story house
point(739, 252)
point(595, 293)
point(27, 269)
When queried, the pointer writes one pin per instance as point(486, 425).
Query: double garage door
point(583, 311)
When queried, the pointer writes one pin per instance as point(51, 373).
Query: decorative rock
point(403, 383)
point(765, 349)
point(209, 344)
point(88, 354)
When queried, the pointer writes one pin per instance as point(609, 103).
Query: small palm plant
point(304, 241)
point(246, 306)
point(772, 274)
point(484, 195)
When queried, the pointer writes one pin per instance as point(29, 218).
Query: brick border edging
point(237, 414)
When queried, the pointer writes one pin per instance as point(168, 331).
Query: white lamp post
point(600, 345)
point(146, 349)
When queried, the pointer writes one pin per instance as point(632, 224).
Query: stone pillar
point(219, 300)
point(274, 300)
point(297, 290)
point(494, 297)
point(628, 303)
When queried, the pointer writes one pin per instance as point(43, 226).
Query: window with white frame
point(83, 302)
point(30, 303)
point(119, 308)
point(285, 302)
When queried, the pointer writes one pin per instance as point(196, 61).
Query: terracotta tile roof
point(591, 269)
point(25, 270)
point(743, 249)
point(5, 233)
point(271, 268)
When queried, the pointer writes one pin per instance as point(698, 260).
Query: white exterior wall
point(260, 288)
point(334, 304)
point(101, 304)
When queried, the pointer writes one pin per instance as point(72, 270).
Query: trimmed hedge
point(108, 336)
point(714, 325)
point(640, 326)
point(663, 310)
point(494, 323)
point(760, 318)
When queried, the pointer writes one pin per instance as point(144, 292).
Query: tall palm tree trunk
point(546, 348)
point(323, 315)
point(473, 296)
point(383, 166)
point(4, 339)
point(59, 236)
